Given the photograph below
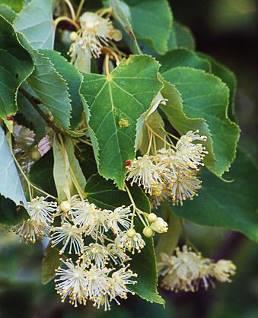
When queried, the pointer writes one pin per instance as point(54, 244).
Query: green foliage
point(15, 5)
point(10, 214)
point(41, 169)
point(116, 102)
point(10, 186)
point(122, 15)
point(50, 262)
point(232, 204)
point(35, 22)
point(51, 88)
point(181, 37)
point(8, 13)
point(98, 123)
point(205, 98)
point(181, 57)
point(156, 33)
point(73, 79)
point(15, 67)
point(227, 76)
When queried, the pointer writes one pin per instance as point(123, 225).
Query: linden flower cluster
point(100, 242)
point(100, 239)
point(95, 32)
point(171, 172)
point(187, 270)
point(41, 212)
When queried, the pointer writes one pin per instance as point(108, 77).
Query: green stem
point(79, 10)
point(135, 209)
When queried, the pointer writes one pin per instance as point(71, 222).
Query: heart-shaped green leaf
point(115, 104)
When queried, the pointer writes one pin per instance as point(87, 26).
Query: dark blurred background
point(227, 30)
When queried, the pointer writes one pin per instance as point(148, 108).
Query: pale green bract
point(10, 185)
point(35, 22)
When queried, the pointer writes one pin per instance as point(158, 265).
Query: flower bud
point(152, 217)
point(35, 154)
point(131, 233)
point(159, 226)
point(73, 36)
point(147, 231)
point(65, 206)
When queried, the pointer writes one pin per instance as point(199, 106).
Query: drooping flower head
point(181, 270)
point(95, 32)
point(97, 254)
point(184, 185)
point(69, 236)
point(130, 240)
point(119, 219)
point(30, 231)
point(144, 172)
point(41, 210)
point(119, 281)
point(188, 270)
point(71, 282)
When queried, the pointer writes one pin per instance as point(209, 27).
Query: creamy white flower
point(79, 211)
point(183, 186)
point(91, 219)
point(189, 153)
point(70, 236)
point(188, 270)
point(130, 240)
point(120, 219)
point(31, 231)
point(95, 33)
point(119, 281)
point(143, 171)
point(41, 210)
point(97, 282)
point(117, 254)
point(96, 254)
point(166, 160)
point(222, 270)
point(103, 300)
point(71, 282)
point(116, 288)
point(181, 271)
point(159, 226)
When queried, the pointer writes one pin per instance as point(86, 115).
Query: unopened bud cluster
point(157, 225)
